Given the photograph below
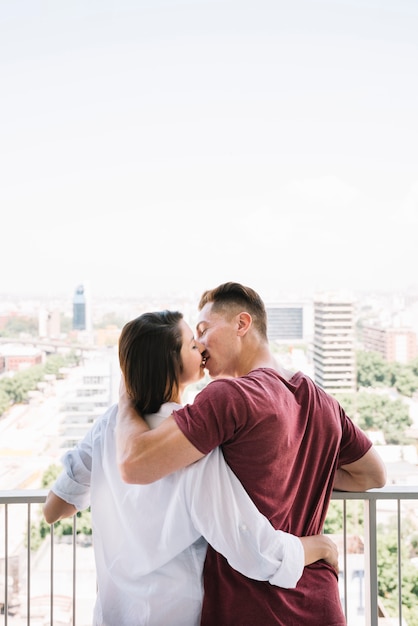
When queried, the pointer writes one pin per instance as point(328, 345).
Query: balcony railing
point(56, 587)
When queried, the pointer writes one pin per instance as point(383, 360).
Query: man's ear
point(244, 323)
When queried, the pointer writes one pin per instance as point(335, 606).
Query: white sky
point(161, 145)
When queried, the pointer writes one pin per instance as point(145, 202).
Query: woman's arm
point(55, 508)
point(224, 514)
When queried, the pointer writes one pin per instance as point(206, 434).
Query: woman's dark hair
point(150, 360)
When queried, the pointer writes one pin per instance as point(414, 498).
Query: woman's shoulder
point(155, 419)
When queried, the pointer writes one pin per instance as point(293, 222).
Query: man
point(288, 442)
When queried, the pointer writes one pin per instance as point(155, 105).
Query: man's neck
point(264, 358)
point(260, 356)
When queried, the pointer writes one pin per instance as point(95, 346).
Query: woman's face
point(191, 356)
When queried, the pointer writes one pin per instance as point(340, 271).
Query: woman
point(148, 539)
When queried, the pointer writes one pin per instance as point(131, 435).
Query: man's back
point(284, 440)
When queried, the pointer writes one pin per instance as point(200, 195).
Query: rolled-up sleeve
point(73, 484)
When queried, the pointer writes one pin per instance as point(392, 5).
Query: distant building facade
point(89, 398)
point(16, 358)
point(82, 308)
point(289, 322)
point(334, 344)
point(393, 344)
point(49, 323)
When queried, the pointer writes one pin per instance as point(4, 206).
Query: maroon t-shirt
point(284, 440)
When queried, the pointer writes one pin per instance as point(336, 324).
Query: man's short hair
point(237, 297)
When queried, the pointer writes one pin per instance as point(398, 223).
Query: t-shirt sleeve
point(354, 442)
point(216, 415)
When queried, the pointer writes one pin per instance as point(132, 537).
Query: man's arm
point(145, 455)
point(368, 472)
point(55, 508)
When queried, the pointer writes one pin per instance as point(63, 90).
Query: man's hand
point(145, 455)
point(129, 425)
point(320, 547)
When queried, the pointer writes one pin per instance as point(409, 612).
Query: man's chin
point(214, 375)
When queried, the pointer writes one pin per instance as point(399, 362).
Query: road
point(29, 439)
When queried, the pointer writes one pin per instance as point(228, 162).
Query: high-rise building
point(49, 323)
point(333, 345)
point(81, 308)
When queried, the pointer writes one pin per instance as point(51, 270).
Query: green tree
point(406, 382)
point(17, 326)
point(17, 387)
point(414, 366)
point(14, 388)
point(50, 475)
point(349, 403)
point(387, 575)
point(372, 370)
point(53, 363)
point(373, 411)
point(4, 401)
point(378, 412)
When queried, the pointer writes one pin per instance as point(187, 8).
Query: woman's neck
point(177, 395)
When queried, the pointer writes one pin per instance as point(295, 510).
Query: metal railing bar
point(345, 559)
point(74, 565)
point(51, 575)
point(28, 565)
point(399, 564)
point(370, 564)
point(6, 563)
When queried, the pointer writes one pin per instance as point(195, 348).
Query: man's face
point(218, 335)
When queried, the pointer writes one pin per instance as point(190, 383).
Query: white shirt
point(148, 541)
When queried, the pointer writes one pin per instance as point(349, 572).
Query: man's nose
point(201, 346)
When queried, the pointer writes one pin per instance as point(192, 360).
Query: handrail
point(392, 492)
point(23, 496)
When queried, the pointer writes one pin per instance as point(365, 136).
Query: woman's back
point(149, 556)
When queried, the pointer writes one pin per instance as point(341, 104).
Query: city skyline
point(166, 147)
